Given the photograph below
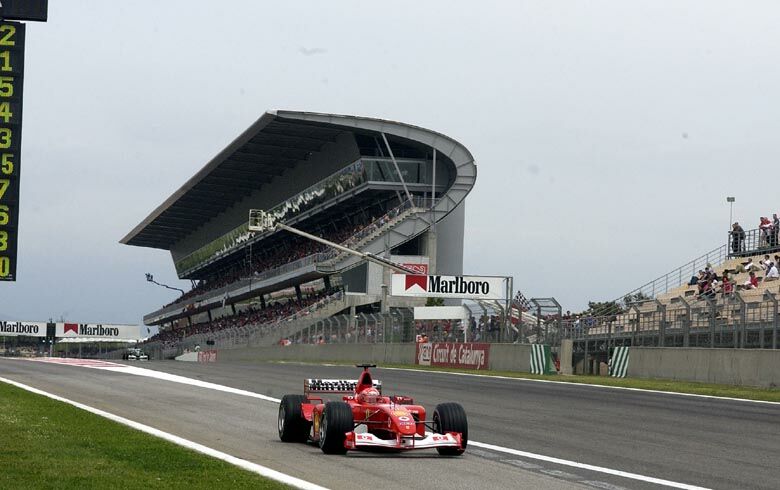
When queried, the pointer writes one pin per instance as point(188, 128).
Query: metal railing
point(735, 321)
point(753, 242)
point(670, 280)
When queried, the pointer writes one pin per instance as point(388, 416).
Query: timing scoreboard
point(11, 82)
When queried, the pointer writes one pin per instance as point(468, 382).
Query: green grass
point(49, 444)
point(744, 392)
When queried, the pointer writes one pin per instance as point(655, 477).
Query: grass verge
point(49, 444)
point(729, 391)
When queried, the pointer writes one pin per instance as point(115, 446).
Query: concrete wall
point(510, 357)
point(748, 367)
point(503, 357)
point(357, 353)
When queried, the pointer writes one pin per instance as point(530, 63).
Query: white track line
point(599, 469)
point(241, 463)
point(589, 467)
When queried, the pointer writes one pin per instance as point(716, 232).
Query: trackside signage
point(468, 355)
point(119, 332)
point(473, 287)
point(22, 329)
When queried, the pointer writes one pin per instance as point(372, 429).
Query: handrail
point(671, 280)
point(752, 242)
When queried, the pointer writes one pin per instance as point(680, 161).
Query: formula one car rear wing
point(336, 386)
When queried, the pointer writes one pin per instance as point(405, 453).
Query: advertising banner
point(22, 329)
point(467, 355)
point(471, 287)
point(98, 330)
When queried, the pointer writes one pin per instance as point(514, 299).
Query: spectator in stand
point(765, 263)
point(696, 278)
point(747, 267)
point(772, 273)
point(752, 282)
point(728, 286)
point(775, 230)
point(737, 238)
point(765, 230)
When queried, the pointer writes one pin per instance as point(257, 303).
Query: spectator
point(696, 278)
point(747, 267)
point(775, 230)
point(737, 238)
point(772, 273)
point(728, 286)
point(765, 263)
point(765, 229)
point(752, 282)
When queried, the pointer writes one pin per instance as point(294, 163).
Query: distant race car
point(135, 355)
point(367, 420)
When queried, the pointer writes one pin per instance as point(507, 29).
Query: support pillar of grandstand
point(635, 330)
point(384, 310)
point(326, 280)
point(711, 315)
point(742, 331)
point(772, 298)
point(298, 294)
point(233, 307)
point(686, 322)
point(662, 326)
point(262, 301)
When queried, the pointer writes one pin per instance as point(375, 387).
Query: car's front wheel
point(336, 422)
point(450, 417)
point(293, 427)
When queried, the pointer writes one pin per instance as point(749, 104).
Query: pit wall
point(503, 357)
point(740, 367)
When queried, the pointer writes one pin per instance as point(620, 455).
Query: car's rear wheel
point(293, 427)
point(450, 417)
point(336, 422)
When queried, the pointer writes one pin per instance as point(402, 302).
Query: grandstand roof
point(277, 141)
point(268, 147)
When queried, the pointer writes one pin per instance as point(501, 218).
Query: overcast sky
point(607, 134)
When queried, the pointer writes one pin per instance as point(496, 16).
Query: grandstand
point(672, 310)
point(384, 187)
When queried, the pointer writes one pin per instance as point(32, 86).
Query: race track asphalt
point(690, 440)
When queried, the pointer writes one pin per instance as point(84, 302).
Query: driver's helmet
point(369, 395)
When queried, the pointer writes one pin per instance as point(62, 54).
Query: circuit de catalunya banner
point(471, 287)
point(467, 355)
point(119, 332)
point(22, 329)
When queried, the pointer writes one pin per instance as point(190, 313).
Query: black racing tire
point(293, 427)
point(450, 417)
point(336, 421)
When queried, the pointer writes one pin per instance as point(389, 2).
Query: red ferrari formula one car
point(365, 419)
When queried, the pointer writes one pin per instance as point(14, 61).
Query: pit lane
point(704, 442)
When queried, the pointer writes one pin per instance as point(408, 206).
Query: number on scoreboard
point(11, 78)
